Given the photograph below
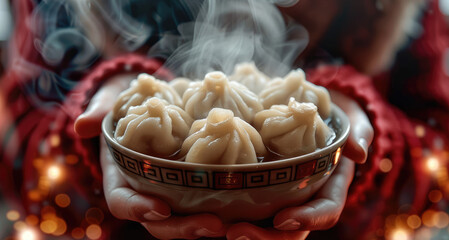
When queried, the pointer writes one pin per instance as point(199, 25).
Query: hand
point(325, 209)
point(362, 132)
point(322, 212)
point(125, 203)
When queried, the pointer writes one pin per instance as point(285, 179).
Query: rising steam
point(225, 33)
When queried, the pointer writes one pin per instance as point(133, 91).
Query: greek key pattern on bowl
point(225, 180)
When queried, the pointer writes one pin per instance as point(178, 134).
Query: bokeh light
point(442, 220)
point(48, 226)
point(13, 215)
point(62, 200)
point(429, 218)
point(32, 220)
point(385, 165)
point(93, 231)
point(400, 234)
point(78, 233)
point(432, 164)
point(420, 131)
point(61, 227)
point(19, 226)
point(54, 172)
point(414, 221)
point(28, 234)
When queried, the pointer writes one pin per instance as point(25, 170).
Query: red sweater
point(36, 136)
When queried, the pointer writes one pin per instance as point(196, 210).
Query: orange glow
point(400, 234)
point(71, 159)
point(420, 131)
point(38, 163)
point(32, 220)
point(28, 234)
point(13, 215)
point(442, 220)
point(414, 221)
point(62, 200)
point(385, 165)
point(93, 231)
point(34, 195)
point(61, 227)
point(48, 210)
point(435, 196)
point(19, 226)
point(55, 140)
point(77, 233)
point(432, 164)
point(48, 226)
point(337, 156)
point(54, 172)
point(429, 218)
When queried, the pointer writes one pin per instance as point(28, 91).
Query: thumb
point(88, 124)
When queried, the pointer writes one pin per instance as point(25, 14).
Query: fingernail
point(364, 145)
point(243, 238)
point(289, 224)
point(153, 215)
point(204, 232)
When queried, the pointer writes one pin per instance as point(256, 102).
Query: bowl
point(239, 192)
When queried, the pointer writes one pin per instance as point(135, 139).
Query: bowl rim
point(106, 128)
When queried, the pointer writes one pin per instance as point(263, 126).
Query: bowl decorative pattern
point(225, 180)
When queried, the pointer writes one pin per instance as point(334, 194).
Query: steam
point(229, 32)
point(194, 36)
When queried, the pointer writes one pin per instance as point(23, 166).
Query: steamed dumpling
point(222, 139)
point(293, 130)
point(180, 85)
point(142, 88)
point(216, 91)
point(155, 128)
point(248, 75)
point(279, 91)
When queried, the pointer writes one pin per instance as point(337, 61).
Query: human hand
point(125, 203)
point(362, 132)
point(320, 213)
point(325, 209)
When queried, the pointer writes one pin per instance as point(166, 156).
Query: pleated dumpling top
point(222, 138)
point(279, 91)
point(294, 129)
point(141, 89)
point(156, 128)
point(216, 91)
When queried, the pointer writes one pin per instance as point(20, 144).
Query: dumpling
point(248, 75)
point(222, 138)
point(279, 91)
point(294, 129)
point(156, 128)
point(142, 88)
point(180, 85)
point(216, 91)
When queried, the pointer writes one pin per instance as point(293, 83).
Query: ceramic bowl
point(243, 192)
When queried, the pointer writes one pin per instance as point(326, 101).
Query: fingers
point(246, 231)
point(362, 132)
point(324, 211)
point(88, 124)
point(189, 227)
point(124, 202)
